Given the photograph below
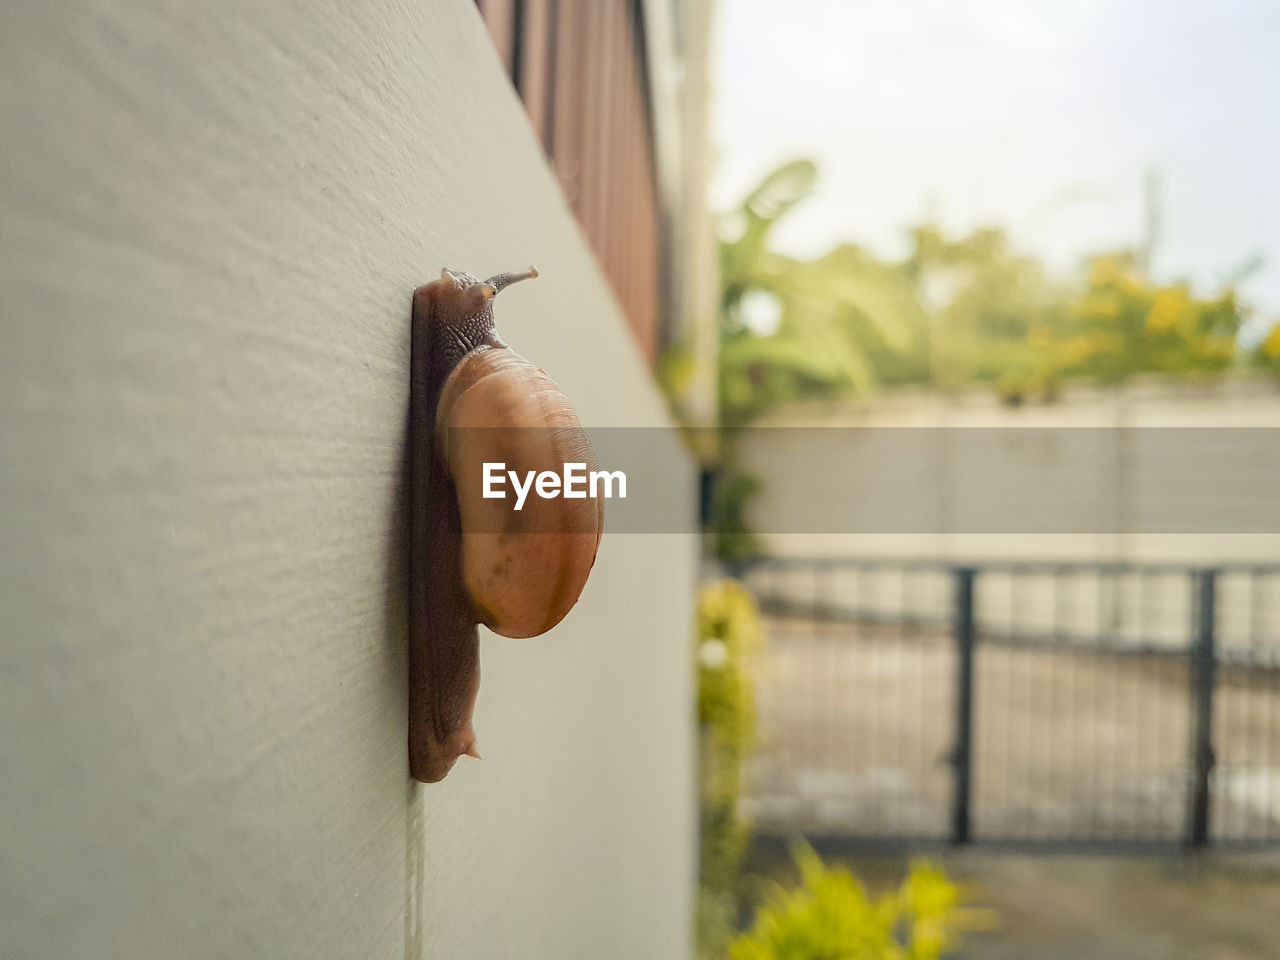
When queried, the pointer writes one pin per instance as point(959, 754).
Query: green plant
point(729, 635)
point(956, 311)
point(1124, 324)
point(837, 315)
point(1267, 353)
point(831, 916)
point(734, 542)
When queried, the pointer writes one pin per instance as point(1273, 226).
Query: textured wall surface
point(212, 217)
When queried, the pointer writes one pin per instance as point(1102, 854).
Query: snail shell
point(523, 570)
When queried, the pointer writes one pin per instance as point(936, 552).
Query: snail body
point(472, 558)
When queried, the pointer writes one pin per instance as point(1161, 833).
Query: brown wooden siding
point(578, 65)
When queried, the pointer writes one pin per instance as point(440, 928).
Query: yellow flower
point(1166, 311)
point(1077, 350)
point(1271, 345)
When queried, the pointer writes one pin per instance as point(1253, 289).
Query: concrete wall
point(212, 217)
point(822, 476)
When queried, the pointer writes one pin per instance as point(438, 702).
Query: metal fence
point(1055, 704)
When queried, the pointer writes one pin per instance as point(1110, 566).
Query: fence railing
point(1067, 704)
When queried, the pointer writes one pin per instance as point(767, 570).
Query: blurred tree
point(1123, 324)
point(836, 316)
point(1267, 353)
point(990, 313)
point(745, 260)
point(955, 312)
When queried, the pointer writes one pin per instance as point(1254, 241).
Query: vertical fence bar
point(1202, 682)
point(962, 754)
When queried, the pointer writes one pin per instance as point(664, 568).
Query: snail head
point(466, 295)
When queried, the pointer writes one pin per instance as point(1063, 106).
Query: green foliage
point(955, 312)
point(1267, 354)
point(728, 617)
point(1123, 325)
point(734, 541)
point(848, 323)
point(756, 372)
point(831, 916)
point(745, 262)
point(988, 312)
point(729, 635)
point(673, 371)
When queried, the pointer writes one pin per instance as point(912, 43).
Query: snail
point(473, 558)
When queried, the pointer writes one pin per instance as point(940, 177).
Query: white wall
point(212, 217)
point(822, 477)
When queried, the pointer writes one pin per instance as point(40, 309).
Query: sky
point(1041, 116)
